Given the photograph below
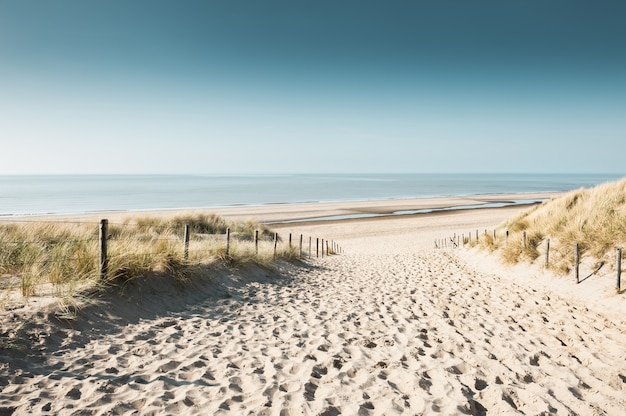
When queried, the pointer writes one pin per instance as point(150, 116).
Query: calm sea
point(26, 195)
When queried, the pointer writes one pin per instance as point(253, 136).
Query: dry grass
point(64, 257)
point(594, 218)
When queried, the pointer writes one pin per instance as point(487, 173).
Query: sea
point(23, 195)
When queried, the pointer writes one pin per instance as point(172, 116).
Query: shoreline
point(280, 214)
point(426, 211)
point(387, 206)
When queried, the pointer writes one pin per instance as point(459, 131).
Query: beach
point(392, 325)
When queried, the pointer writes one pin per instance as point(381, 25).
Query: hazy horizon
point(253, 174)
point(241, 87)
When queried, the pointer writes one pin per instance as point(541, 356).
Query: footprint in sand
point(74, 394)
point(480, 384)
point(309, 390)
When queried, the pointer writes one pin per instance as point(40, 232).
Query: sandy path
point(391, 327)
point(357, 334)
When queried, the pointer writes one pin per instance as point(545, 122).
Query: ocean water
point(64, 194)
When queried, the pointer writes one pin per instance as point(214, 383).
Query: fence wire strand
point(92, 240)
point(7, 221)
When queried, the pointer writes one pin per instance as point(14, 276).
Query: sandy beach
point(390, 326)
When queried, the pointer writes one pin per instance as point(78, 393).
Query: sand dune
point(392, 326)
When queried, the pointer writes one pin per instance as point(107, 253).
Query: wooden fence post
point(618, 267)
point(104, 261)
point(275, 243)
point(227, 241)
point(547, 253)
point(507, 237)
point(317, 247)
point(300, 245)
point(322, 248)
point(256, 241)
point(289, 240)
point(186, 241)
point(310, 248)
point(524, 237)
point(576, 262)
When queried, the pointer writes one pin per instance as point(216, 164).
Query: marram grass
point(595, 219)
point(66, 255)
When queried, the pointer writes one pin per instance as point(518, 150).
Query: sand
point(391, 326)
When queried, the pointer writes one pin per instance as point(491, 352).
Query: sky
point(226, 87)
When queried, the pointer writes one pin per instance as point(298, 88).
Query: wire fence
point(536, 247)
point(36, 253)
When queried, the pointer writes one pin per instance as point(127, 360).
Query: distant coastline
point(36, 195)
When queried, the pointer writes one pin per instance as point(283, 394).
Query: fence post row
point(443, 243)
point(103, 235)
point(104, 262)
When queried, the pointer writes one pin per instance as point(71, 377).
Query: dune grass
point(595, 219)
point(60, 257)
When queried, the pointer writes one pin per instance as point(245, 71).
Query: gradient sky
point(312, 86)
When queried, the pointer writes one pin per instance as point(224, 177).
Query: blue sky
point(326, 86)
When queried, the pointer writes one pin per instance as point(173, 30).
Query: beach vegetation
point(63, 258)
point(594, 218)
